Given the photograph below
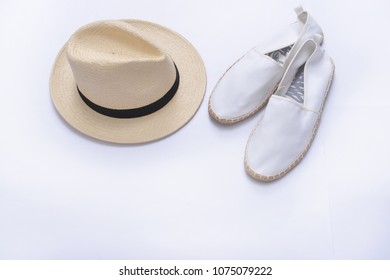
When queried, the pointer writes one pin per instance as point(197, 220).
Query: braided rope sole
point(241, 118)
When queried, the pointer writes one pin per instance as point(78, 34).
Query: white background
point(67, 196)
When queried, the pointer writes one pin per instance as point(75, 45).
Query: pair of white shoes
point(292, 74)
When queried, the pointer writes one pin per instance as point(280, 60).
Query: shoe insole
point(280, 55)
point(296, 89)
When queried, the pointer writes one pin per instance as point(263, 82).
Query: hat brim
point(157, 125)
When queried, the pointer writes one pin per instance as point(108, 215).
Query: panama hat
point(127, 81)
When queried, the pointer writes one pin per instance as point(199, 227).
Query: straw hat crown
point(116, 66)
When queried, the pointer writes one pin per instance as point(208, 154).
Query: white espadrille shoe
point(291, 119)
point(248, 84)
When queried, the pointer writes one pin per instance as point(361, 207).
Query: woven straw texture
point(151, 127)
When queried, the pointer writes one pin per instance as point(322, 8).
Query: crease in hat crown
point(117, 67)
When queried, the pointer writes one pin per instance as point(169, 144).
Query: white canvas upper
point(287, 128)
point(247, 85)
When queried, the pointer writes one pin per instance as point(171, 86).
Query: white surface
point(66, 196)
